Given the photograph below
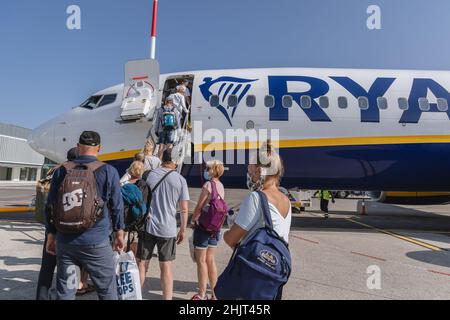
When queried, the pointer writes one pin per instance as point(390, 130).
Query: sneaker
point(199, 297)
point(326, 215)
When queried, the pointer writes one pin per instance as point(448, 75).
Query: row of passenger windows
point(324, 102)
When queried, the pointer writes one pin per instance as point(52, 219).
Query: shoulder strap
point(265, 209)
point(145, 175)
point(69, 165)
point(162, 179)
point(150, 194)
point(95, 165)
point(214, 192)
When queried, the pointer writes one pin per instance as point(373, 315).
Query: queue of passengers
point(88, 221)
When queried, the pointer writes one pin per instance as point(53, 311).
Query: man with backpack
point(84, 195)
point(168, 189)
point(167, 122)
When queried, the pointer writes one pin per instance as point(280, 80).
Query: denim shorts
point(166, 137)
point(204, 240)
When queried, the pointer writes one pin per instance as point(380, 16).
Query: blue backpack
point(135, 207)
point(168, 119)
point(259, 267)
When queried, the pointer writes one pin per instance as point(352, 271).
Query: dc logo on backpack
point(73, 199)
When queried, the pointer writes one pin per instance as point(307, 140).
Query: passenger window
point(269, 101)
point(107, 99)
point(382, 103)
point(442, 104)
point(324, 102)
point(91, 103)
point(403, 103)
point(251, 101)
point(342, 102)
point(424, 104)
point(233, 101)
point(363, 103)
point(305, 102)
point(214, 101)
point(287, 101)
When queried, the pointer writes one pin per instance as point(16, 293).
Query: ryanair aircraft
point(339, 129)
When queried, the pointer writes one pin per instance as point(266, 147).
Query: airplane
point(338, 129)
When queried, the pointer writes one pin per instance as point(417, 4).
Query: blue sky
point(46, 69)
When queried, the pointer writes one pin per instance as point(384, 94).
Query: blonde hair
point(269, 160)
point(148, 148)
point(139, 157)
point(136, 170)
point(215, 168)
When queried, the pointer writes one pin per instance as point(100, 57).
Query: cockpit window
point(99, 101)
point(107, 99)
point(91, 103)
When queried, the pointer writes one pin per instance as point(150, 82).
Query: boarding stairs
point(182, 144)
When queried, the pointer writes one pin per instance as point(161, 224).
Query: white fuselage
point(372, 135)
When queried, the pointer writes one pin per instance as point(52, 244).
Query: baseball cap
point(90, 138)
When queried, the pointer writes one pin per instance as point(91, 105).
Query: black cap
point(167, 156)
point(72, 154)
point(90, 138)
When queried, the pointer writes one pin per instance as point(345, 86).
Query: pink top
point(219, 186)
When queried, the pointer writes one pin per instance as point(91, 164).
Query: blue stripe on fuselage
point(401, 167)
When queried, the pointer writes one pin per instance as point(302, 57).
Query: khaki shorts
point(166, 247)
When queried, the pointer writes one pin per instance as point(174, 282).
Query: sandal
point(90, 288)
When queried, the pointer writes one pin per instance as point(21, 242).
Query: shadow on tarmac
point(437, 258)
point(179, 287)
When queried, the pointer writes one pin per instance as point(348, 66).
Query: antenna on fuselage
point(153, 41)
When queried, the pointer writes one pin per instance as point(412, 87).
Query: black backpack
point(138, 225)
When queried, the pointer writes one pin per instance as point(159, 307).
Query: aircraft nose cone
point(41, 139)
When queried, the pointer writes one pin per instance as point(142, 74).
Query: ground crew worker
point(324, 196)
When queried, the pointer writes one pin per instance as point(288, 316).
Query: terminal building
point(18, 162)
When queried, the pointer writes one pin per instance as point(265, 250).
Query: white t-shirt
point(125, 178)
point(250, 217)
point(179, 102)
point(151, 163)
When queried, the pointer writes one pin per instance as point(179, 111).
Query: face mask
point(255, 186)
point(206, 176)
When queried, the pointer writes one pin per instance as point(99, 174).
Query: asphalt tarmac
point(392, 252)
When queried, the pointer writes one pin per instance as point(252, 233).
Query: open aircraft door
point(141, 87)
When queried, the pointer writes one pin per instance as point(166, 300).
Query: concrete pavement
point(331, 258)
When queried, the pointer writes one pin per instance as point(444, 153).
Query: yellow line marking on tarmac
point(398, 236)
point(17, 209)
